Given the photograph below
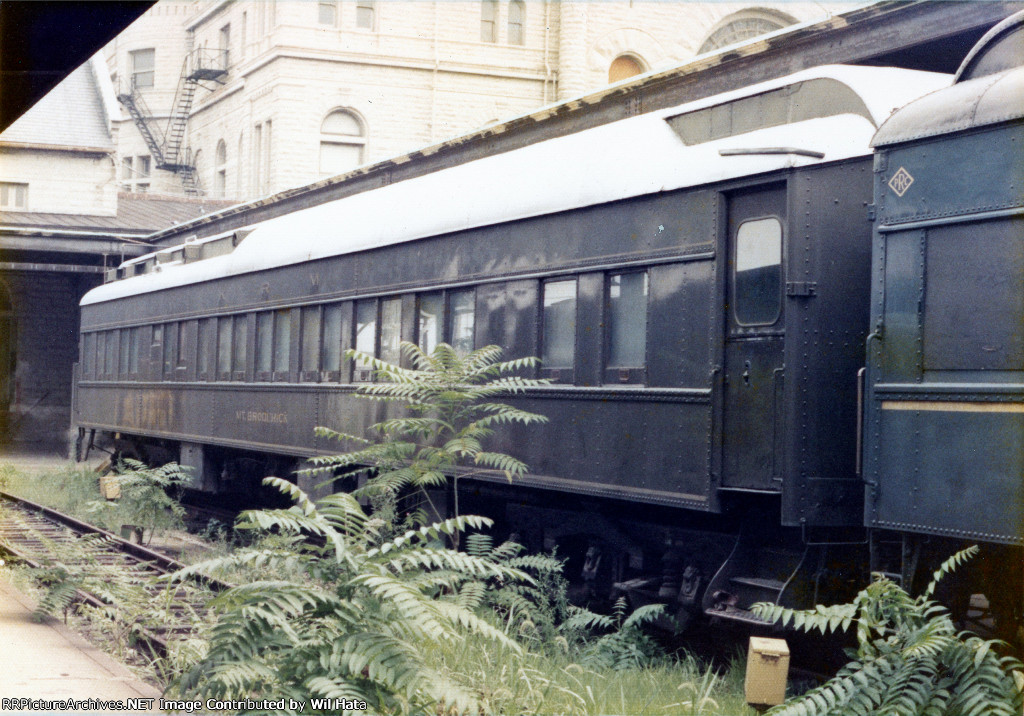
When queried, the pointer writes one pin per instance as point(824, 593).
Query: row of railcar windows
point(220, 347)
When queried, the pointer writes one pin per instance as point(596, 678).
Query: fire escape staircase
point(167, 145)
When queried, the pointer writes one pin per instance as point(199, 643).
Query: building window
point(342, 141)
point(220, 175)
point(462, 320)
point(559, 325)
point(366, 15)
point(744, 26)
point(224, 45)
point(627, 319)
point(757, 283)
point(143, 64)
point(327, 13)
point(267, 135)
point(135, 174)
point(257, 157)
point(242, 49)
point(142, 172)
point(489, 21)
point(13, 196)
point(238, 168)
point(516, 22)
point(623, 67)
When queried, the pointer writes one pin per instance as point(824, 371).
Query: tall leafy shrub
point(910, 659)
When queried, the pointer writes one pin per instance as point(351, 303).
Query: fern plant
point(532, 609)
point(626, 645)
point(449, 413)
point(148, 497)
point(355, 620)
point(910, 659)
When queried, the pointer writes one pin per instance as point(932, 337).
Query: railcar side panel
point(945, 412)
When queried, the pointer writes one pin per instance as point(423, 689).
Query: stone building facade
point(62, 222)
point(310, 89)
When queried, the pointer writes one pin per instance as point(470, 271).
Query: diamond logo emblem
point(901, 181)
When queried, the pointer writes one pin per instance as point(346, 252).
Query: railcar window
point(224, 348)
point(282, 343)
point(366, 335)
point(100, 353)
point(88, 353)
point(133, 351)
point(156, 347)
point(391, 330)
point(264, 345)
point(310, 363)
point(331, 354)
point(110, 359)
point(203, 347)
point(559, 321)
point(181, 358)
point(239, 343)
point(123, 353)
point(431, 310)
point(812, 99)
point(462, 319)
point(170, 349)
point(627, 319)
point(757, 284)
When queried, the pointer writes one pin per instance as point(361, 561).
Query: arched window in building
point(197, 159)
point(238, 170)
point(489, 21)
point(624, 66)
point(342, 141)
point(744, 26)
point(517, 22)
point(220, 176)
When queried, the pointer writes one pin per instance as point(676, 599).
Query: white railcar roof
point(623, 159)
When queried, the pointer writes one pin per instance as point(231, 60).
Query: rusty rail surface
point(27, 531)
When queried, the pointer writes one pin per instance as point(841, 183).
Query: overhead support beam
point(49, 268)
point(73, 246)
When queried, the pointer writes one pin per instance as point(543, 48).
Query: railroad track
point(38, 535)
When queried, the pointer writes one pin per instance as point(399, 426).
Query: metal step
point(773, 585)
point(736, 614)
